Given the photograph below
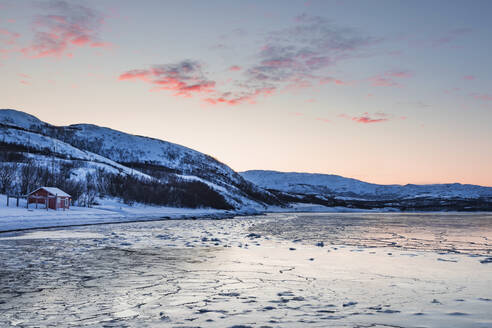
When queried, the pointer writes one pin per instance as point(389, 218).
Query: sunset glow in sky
point(383, 91)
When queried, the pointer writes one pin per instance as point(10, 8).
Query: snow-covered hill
point(20, 119)
point(121, 153)
point(342, 188)
point(38, 146)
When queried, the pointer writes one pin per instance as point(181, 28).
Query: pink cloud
point(101, 45)
point(325, 120)
point(388, 79)
point(303, 51)
point(297, 83)
point(184, 78)
point(8, 33)
point(279, 63)
point(380, 81)
point(135, 74)
point(66, 27)
point(320, 61)
point(234, 68)
point(292, 58)
point(367, 118)
point(8, 37)
point(326, 80)
point(469, 77)
point(218, 100)
point(8, 42)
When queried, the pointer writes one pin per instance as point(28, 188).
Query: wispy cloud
point(184, 78)
point(367, 118)
point(8, 37)
point(450, 37)
point(64, 27)
point(447, 39)
point(305, 50)
point(8, 42)
point(389, 78)
point(240, 97)
point(326, 80)
point(291, 58)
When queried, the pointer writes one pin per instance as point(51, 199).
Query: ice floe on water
point(279, 270)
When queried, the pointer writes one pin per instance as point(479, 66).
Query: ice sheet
point(226, 273)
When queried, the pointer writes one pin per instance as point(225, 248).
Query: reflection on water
point(457, 233)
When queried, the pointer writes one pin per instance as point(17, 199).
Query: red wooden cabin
point(53, 197)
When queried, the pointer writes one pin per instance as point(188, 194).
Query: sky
point(385, 91)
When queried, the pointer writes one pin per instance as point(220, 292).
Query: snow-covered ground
point(109, 210)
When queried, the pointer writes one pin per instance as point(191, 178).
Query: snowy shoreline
point(110, 211)
point(113, 211)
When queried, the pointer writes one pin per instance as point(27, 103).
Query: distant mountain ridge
point(338, 186)
point(336, 191)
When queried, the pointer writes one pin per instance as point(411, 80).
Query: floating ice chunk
point(349, 304)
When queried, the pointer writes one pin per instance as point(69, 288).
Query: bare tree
point(7, 176)
point(29, 177)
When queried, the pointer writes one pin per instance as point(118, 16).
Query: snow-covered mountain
point(346, 188)
point(121, 153)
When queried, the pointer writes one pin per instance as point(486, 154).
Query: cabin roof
point(52, 190)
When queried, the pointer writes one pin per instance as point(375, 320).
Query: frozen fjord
point(279, 270)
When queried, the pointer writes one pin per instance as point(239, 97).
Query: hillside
point(91, 149)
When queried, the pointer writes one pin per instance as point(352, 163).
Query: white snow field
point(279, 270)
